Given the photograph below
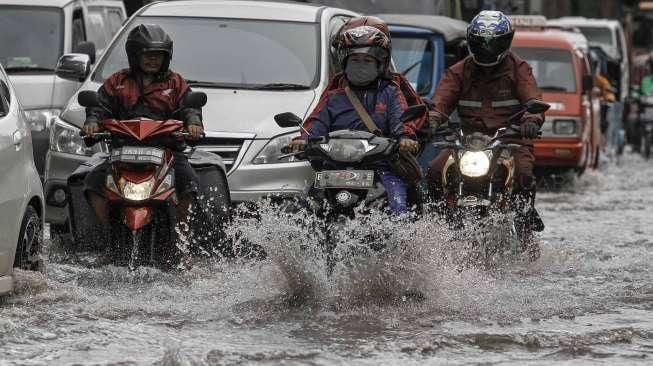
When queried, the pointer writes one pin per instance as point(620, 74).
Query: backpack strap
point(362, 113)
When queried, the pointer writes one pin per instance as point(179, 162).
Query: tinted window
point(103, 23)
point(115, 19)
point(553, 69)
point(598, 35)
point(31, 37)
point(232, 52)
point(414, 57)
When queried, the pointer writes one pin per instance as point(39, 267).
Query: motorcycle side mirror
point(195, 99)
point(287, 119)
point(413, 112)
point(88, 98)
point(537, 106)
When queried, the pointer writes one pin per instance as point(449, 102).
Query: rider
point(365, 52)
point(488, 87)
point(146, 89)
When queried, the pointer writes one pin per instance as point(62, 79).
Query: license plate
point(344, 179)
point(138, 154)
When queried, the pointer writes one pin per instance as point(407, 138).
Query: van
point(34, 34)
point(571, 135)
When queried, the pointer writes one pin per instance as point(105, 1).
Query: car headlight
point(65, 138)
point(474, 164)
point(565, 127)
point(347, 150)
point(136, 191)
point(40, 119)
point(272, 151)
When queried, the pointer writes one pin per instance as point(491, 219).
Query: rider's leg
point(94, 183)
point(434, 175)
point(397, 191)
point(525, 188)
point(186, 185)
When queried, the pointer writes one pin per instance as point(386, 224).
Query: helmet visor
point(489, 49)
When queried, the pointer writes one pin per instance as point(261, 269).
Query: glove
point(435, 121)
point(529, 130)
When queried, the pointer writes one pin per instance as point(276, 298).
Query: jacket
point(486, 101)
point(385, 104)
point(125, 98)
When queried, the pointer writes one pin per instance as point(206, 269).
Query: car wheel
point(30, 243)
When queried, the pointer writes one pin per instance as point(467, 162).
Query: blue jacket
point(385, 105)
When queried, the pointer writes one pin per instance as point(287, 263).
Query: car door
point(12, 178)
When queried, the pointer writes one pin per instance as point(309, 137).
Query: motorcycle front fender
point(135, 218)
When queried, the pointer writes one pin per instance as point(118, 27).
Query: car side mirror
point(195, 99)
point(588, 83)
point(86, 48)
point(73, 66)
point(287, 119)
point(88, 98)
point(537, 106)
point(413, 112)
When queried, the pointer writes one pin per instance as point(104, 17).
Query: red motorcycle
point(140, 187)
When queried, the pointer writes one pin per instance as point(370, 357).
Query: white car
point(253, 59)
point(33, 35)
point(608, 34)
point(21, 196)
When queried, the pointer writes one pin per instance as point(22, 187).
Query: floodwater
point(587, 300)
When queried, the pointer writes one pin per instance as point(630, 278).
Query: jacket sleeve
point(409, 98)
point(395, 108)
point(190, 116)
point(527, 90)
point(317, 124)
point(447, 94)
point(109, 100)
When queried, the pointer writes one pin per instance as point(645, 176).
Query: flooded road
point(589, 298)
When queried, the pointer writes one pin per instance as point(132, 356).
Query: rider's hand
point(196, 132)
point(91, 128)
point(529, 130)
point(297, 145)
point(408, 145)
point(435, 121)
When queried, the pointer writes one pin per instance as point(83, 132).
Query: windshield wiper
point(27, 68)
point(213, 84)
point(281, 86)
point(554, 88)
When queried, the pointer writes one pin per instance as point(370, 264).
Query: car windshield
point(553, 68)
point(233, 53)
point(31, 38)
point(413, 57)
point(598, 35)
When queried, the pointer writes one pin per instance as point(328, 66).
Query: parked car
point(253, 62)
point(423, 47)
point(33, 35)
point(21, 196)
point(571, 134)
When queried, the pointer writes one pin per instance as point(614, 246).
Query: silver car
point(21, 196)
point(252, 59)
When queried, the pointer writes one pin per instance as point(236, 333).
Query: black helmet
point(489, 37)
point(144, 38)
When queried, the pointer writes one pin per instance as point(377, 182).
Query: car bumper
point(58, 167)
point(560, 153)
point(6, 284)
point(251, 182)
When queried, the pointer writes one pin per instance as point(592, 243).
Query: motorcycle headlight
point(474, 164)
point(347, 150)
point(272, 151)
point(65, 138)
point(136, 191)
point(40, 119)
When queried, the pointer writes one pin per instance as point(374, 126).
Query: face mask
point(361, 73)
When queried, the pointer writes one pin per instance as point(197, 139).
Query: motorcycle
point(477, 179)
point(139, 186)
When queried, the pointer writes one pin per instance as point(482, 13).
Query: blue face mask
point(361, 73)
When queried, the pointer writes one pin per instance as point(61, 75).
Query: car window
point(251, 53)
point(414, 57)
point(115, 18)
point(97, 28)
point(602, 35)
point(334, 26)
point(553, 68)
point(31, 38)
point(78, 30)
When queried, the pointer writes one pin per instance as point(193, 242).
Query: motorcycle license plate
point(138, 154)
point(344, 179)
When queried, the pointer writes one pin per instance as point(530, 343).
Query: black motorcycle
point(478, 178)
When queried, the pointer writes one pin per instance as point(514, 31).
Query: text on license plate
point(344, 179)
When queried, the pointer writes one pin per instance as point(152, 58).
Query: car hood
point(38, 91)
point(229, 110)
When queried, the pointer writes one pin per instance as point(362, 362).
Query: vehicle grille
point(227, 148)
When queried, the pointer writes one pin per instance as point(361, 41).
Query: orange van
point(571, 135)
